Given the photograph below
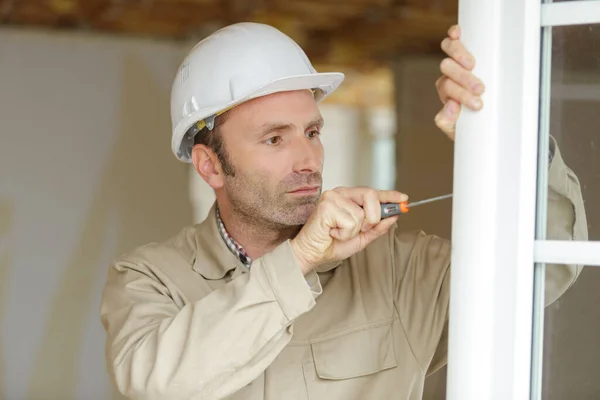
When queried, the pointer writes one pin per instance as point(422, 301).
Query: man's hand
point(344, 222)
point(457, 86)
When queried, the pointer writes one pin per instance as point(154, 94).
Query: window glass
point(575, 112)
point(571, 324)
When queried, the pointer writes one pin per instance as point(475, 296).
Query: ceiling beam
point(357, 33)
point(400, 31)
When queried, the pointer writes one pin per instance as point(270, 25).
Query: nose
point(307, 155)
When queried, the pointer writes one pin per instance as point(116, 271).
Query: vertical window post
point(494, 205)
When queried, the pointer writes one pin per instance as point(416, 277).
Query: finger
point(370, 200)
point(450, 90)
point(372, 209)
point(345, 234)
point(391, 196)
point(456, 50)
point(457, 74)
point(454, 32)
point(367, 199)
point(378, 230)
point(439, 84)
point(338, 198)
point(373, 205)
point(346, 227)
point(349, 218)
point(446, 119)
point(359, 194)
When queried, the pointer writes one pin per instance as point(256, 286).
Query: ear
point(207, 165)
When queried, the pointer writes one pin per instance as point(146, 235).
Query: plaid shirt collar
point(231, 243)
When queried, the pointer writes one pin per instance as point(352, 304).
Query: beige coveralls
point(186, 320)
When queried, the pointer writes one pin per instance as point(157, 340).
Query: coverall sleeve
point(207, 349)
point(566, 221)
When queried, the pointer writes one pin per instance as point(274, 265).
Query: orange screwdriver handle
point(391, 209)
point(404, 207)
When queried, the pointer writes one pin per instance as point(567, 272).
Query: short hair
point(213, 139)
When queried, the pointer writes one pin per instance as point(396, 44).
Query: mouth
point(306, 190)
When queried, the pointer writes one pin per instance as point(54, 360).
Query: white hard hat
point(233, 65)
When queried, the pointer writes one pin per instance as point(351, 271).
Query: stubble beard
point(269, 209)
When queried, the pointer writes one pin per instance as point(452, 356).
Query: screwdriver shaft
point(418, 203)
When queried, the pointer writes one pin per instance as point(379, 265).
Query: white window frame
point(570, 13)
point(494, 208)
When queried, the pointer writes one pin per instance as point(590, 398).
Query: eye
point(313, 134)
point(274, 140)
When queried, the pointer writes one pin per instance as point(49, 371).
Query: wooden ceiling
point(357, 33)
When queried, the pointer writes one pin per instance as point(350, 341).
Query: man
point(284, 292)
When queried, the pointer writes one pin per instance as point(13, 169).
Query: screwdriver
point(391, 209)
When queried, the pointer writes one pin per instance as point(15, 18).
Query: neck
point(255, 236)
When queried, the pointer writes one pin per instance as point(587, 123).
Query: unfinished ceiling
point(343, 32)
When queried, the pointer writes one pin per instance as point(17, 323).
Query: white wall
point(85, 173)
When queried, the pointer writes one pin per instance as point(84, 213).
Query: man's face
point(274, 147)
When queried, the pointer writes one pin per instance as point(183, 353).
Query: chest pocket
point(352, 364)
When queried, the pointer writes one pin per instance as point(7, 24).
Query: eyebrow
point(278, 127)
point(317, 122)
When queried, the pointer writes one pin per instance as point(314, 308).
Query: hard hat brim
point(326, 82)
